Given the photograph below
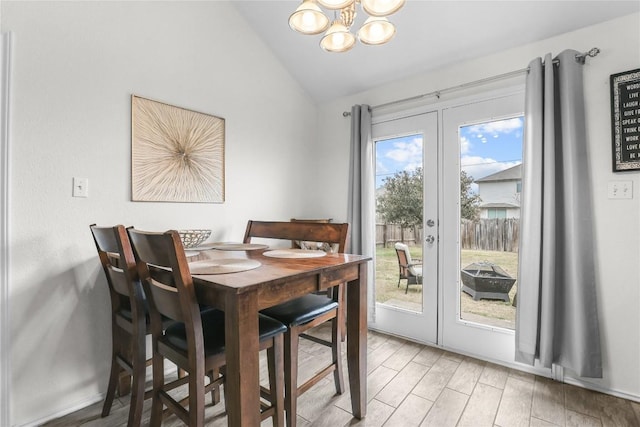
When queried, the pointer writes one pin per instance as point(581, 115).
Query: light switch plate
point(620, 189)
point(80, 187)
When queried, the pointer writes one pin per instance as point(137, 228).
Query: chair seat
point(416, 270)
point(213, 330)
point(301, 310)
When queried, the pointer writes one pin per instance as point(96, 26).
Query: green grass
point(387, 283)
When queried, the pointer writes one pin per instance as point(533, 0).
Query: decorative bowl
point(193, 238)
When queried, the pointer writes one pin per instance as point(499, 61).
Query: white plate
point(222, 266)
point(230, 246)
point(294, 253)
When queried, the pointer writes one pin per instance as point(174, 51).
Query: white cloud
point(499, 126)
point(406, 151)
point(465, 145)
point(381, 168)
point(479, 167)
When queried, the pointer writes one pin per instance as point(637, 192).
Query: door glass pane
point(490, 183)
point(399, 190)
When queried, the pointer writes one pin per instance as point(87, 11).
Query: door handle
point(430, 239)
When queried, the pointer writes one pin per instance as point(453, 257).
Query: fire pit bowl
point(486, 280)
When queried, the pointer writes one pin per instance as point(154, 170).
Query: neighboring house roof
point(498, 205)
point(513, 173)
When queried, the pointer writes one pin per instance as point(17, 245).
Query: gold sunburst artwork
point(177, 154)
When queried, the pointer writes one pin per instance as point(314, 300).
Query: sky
point(397, 154)
point(490, 147)
point(485, 148)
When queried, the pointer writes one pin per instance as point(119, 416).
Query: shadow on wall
point(60, 329)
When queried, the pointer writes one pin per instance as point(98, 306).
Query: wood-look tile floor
point(416, 385)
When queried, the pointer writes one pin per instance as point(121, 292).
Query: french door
point(406, 151)
point(482, 151)
point(466, 156)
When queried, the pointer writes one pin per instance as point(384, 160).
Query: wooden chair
point(195, 342)
point(309, 311)
point(298, 244)
point(129, 320)
point(409, 269)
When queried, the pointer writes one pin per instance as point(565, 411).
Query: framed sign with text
point(625, 120)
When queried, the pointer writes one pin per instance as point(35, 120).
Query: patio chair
point(409, 269)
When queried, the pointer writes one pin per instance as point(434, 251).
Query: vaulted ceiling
point(430, 34)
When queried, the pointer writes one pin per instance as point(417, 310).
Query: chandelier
point(310, 19)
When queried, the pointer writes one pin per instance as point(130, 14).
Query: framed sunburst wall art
point(177, 155)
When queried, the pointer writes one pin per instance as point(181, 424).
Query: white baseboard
point(169, 370)
point(76, 407)
point(596, 387)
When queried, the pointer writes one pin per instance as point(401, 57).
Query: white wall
point(617, 224)
point(76, 65)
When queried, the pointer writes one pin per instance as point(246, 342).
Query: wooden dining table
point(241, 295)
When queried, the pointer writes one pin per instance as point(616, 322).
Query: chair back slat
point(151, 248)
point(331, 233)
point(165, 275)
point(106, 238)
point(118, 280)
point(297, 244)
point(119, 265)
point(166, 300)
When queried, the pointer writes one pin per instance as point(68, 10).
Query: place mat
point(294, 253)
point(222, 266)
point(231, 246)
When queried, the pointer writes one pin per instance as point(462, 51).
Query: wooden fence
point(388, 234)
point(491, 234)
point(484, 234)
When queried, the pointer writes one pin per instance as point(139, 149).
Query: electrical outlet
point(80, 187)
point(620, 189)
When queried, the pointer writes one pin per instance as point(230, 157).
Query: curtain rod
point(580, 57)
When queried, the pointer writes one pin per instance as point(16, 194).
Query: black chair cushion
point(301, 310)
point(213, 331)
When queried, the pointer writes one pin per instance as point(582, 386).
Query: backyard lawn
point(494, 312)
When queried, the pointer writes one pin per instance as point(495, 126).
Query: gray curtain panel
point(359, 169)
point(361, 203)
point(557, 317)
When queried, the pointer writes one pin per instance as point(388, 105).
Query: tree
point(469, 201)
point(401, 199)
